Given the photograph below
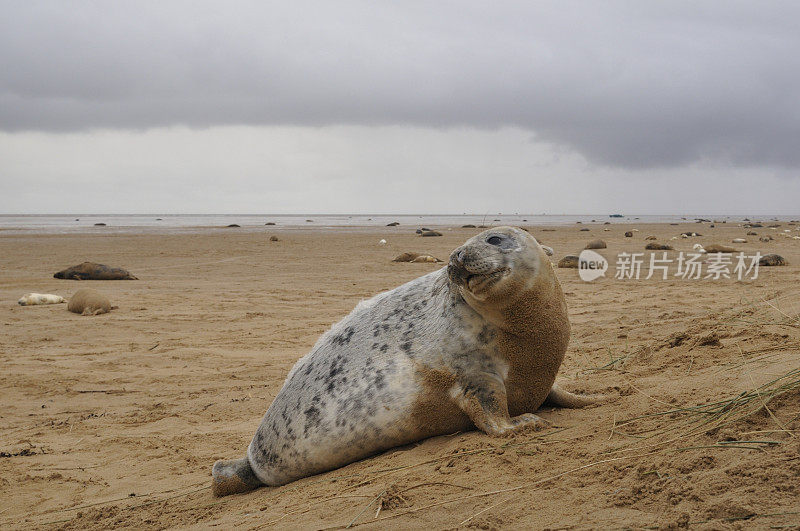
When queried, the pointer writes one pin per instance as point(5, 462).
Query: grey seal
point(93, 271)
point(596, 244)
point(772, 260)
point(716, 248)
point(477, 343)
point(569, 261)
point(89, 302)
point(654, 246)
point(415, 257)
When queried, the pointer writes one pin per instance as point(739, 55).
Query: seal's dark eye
point(494, 240)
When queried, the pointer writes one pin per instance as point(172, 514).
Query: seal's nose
point(459, 256)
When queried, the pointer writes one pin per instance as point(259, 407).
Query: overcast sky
point(400, 107)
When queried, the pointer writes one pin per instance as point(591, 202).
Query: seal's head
point(496, 265)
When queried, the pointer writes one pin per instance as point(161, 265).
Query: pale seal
point(31, 299)
point(475, 344)
point(89, 302)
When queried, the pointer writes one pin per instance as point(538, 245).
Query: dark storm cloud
point(632, 84)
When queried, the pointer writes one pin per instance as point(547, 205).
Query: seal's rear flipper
point(560, 398)
point(233, 476)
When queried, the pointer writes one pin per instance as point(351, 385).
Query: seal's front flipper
point(560, 398)
point(483, 398)
point(233, 476)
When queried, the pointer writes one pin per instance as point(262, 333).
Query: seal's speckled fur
point(478, 342)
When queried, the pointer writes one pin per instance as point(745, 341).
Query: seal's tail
point(233, 476)
point(560, 398)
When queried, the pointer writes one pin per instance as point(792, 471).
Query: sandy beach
point(115, 420)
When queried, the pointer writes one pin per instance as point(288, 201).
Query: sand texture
point(115, 420)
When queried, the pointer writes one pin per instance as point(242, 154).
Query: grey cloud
point(629, 84)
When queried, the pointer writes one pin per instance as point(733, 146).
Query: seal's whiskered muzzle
point(456, 272)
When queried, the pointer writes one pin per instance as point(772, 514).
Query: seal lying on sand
point(89, 302)
point(772, 260)
point(570, 261)
point(477, 343)
point(716, 248)
point(415, 257)
point(653, 246)
point(425, 258)
point(31, 299)
point(92, 271)
point(596, 244)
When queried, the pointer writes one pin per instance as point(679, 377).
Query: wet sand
point(115, 420)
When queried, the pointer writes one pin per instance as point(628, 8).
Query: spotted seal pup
point(477, 343)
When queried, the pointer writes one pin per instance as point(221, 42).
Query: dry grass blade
point(763, 401)
point(702, 418)
point(375, 499)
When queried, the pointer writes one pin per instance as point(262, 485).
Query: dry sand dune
point(115, 420)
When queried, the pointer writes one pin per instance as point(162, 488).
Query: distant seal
point(415, 257)
point(92, 271)
point(476, 343)
point(569, 261)
point(772, 260)
point(654, 246)
point(716, 248)
point(32, 299)
point(406, 257)
point(89, 302)
point(425, 258)
point(596, 244)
